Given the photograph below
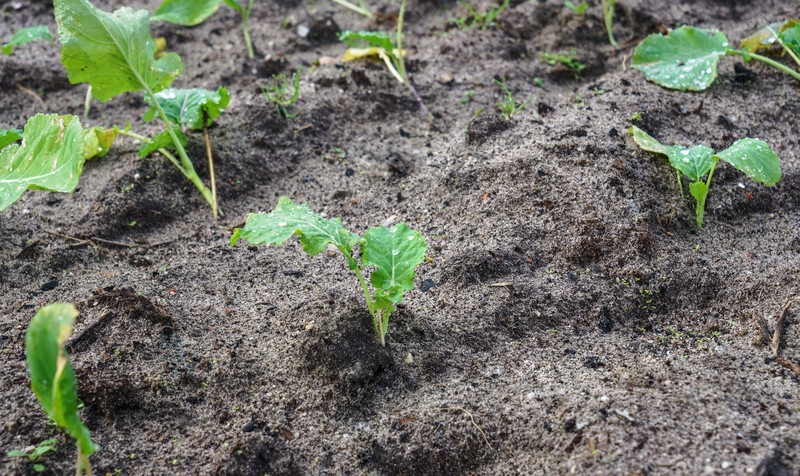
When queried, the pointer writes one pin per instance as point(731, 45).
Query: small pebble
point(445, 78)
point(409, 359)
point(309, 327)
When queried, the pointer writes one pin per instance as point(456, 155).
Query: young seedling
point(753, 157)
point(371, 44)
point(686, 59)
point(193, 109)
point(508, 106)
point(194, 12)
point(283, 92)
point(567, 59)
point(483, 20)
point(34, 453)
point(52, 378)
point(23, 36)
point(115, 54)
point(393, 253)
point(578, 9)
point(361, 9)
point(608, 17)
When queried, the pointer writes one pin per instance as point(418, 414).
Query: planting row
point(115, 53)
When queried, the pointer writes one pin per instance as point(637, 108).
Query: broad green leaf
point(394, 252)
point(9, 136)
point(186, 12)
point(97, 141)
point(162, 141)
point(288, 219)
point(113, 52)
point(370, 38)
point(694, 162)
point(50, 157)
point(791, 38)
point(52, 378)
point(685, 59)
point(186, 107)
point(235, 5)
point(24, 36)
point(755, 158)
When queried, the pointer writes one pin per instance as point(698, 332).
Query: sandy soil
point(572, 319)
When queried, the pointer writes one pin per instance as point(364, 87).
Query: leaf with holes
point(113, 52)
point(393, 252)
point(190, 107)
point(50, 157)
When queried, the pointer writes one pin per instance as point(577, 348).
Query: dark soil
point(572, 319)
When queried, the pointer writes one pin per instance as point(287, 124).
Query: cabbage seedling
point(194, 12)
point(23, 36)
point(686, 59)
point(393, 253)
point(115, 54)
point(753, 157)
point(608, 17)
point(52, 378)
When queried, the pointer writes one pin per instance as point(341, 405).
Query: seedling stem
point(362, 10)
point(775, 64)
point(245, 18)
point(207, 140)
point(608, 16)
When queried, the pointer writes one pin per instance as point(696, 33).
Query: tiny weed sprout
point(608, 17)
point(23, 36)
point(283, 92)
point(115, 54)
point(52, 378)
point(361, 9)
point(577, 9)
point(483, 20)
point(34, 453)
point(686, 59)
point(508, 106)
point(393, 253)
point(753, 157)
point(194, 12)
point(568, 60)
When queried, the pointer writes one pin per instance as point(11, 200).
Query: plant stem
point(401, 66)
point(245, 19)
point(207, 140)
point(608, 16)
point(355, 8)
point(680, 183)
point(775, 64)
point(187, 166)
point(163, 152)
point(785, 48)
point(87, 104)
point(365, 288)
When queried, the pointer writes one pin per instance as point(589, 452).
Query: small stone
point(249, 426)
point(409, 359)
point(327, 61)
point(303, 30)
point(605, 399)
point(445, 78)
point(726, 464)
point(309, 327)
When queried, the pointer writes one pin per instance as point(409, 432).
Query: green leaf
point(186, 12)
point(50, 157)
point(162, 141)
point(17, 454)
point(52, 378)
point(235, 5)
point(367, 38)
point(23, 36)
point(186, 107)
point(791, 38)
point(97, 141)
point(395, 253)
point(9, 136)
point(763, 38)
point(288, 219)
point(755, 158)
point(113, 52)
point(38, 467)
point(694, 162)
point(685, 59)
